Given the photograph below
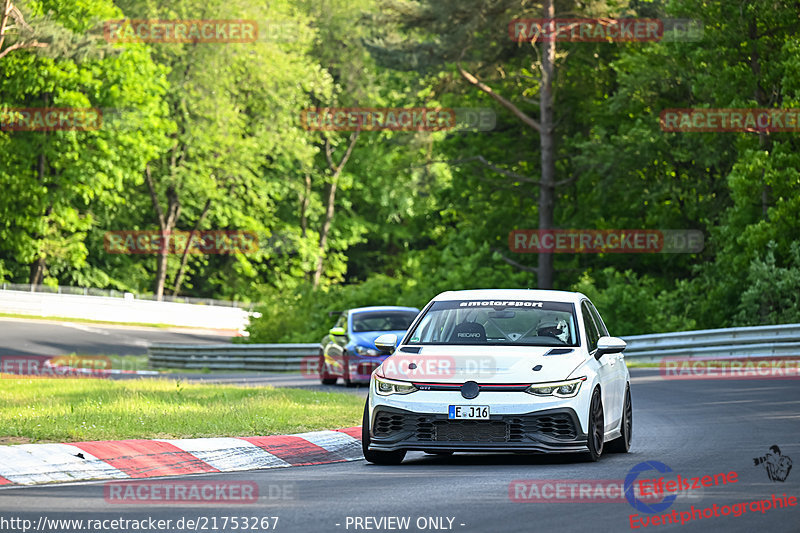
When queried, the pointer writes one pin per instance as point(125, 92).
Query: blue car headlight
point(363, 350)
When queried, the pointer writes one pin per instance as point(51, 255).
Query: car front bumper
point(361, 367)
point(518, 422)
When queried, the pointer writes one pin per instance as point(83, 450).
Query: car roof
point(512, 294)
point(383, 308)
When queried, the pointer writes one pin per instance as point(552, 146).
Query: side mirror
point(337, 332)
point(609, 345)
point(386, 343)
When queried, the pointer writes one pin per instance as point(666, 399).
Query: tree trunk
point(547, 145)
point(185, 257)
point(545, 128)
point(760, 96)
point(304, 206)
point(336, 170)
point(326, 226)
point(166, 225)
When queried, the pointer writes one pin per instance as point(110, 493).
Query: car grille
point(471, 431)
point(387, 423)
point(556, 426)
point(429, 428)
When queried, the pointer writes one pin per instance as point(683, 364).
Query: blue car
point(348, 350)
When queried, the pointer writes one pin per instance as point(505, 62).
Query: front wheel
point(324, 377)
point(346, 371)
point(379, 458)
point(623, 443)
point(596, 427)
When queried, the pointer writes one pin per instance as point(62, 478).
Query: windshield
point(516, 323)
point(383, 321)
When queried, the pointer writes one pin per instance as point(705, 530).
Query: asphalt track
point(697, 428)
point(50, 337)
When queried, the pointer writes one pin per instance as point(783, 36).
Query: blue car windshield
point(383, 321)
point(504, 322)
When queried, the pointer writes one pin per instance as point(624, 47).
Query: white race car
point(507, 370)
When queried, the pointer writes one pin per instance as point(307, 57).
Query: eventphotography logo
point(776, 464)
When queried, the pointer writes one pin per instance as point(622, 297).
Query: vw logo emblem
point(470, 390)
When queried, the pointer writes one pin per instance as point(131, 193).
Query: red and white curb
point(32, 464)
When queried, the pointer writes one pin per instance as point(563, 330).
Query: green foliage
point(773, 292)
point(52, 181)
point(415, 213)
point(303, 316)
point(635, 305)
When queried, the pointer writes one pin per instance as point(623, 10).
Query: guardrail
point(264, 357)
point(729, 343)
point(758, 341)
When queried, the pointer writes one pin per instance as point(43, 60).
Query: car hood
point(367, 338)
point(483, 364)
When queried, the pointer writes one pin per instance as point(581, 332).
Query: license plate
point(468, 412)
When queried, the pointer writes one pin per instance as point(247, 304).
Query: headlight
point(385, 387)
point(562, 389)
point(361, 350)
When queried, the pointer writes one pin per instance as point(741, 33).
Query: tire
point(324, 377)
point(596, 427)
point(622, 444)
point(346, 372)
point(378, 458)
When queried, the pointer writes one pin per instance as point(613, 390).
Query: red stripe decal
point(4, 481)
point(354, 432)
point(294, 450)
point(146, 458)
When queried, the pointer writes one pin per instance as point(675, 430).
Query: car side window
point(598, 321)
point(592, 334)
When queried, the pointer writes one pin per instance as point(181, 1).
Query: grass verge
point(71, 410)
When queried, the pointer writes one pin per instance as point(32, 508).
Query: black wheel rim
point(597, 418)
point(628, 417)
